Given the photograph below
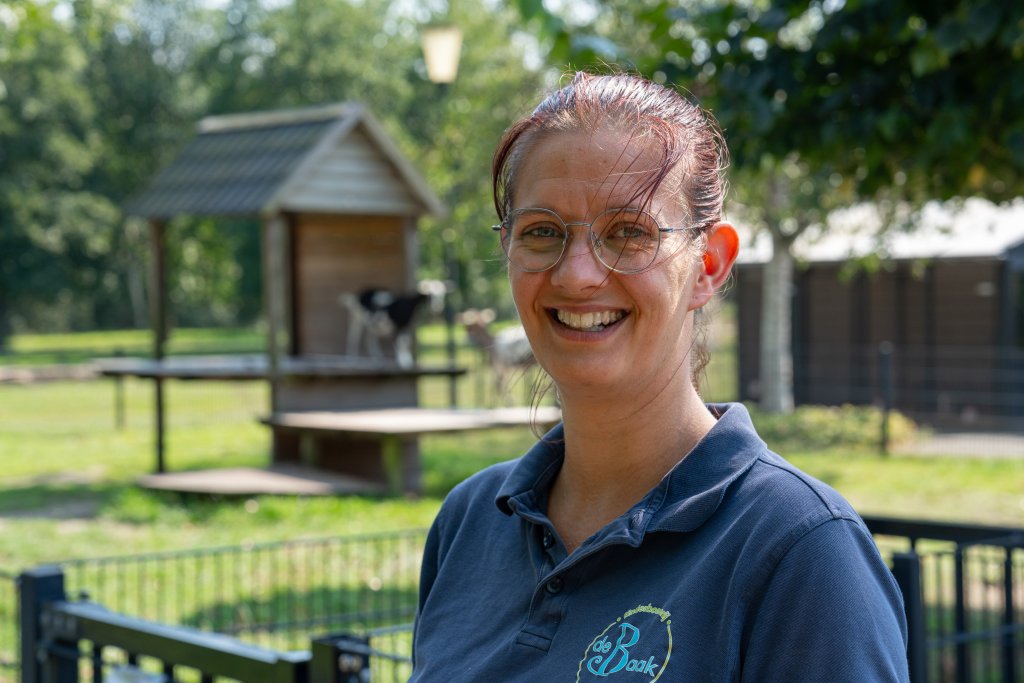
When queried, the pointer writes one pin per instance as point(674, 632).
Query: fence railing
point(66, 641)
point(271, 595)
point(963, 586)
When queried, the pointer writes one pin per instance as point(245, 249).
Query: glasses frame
point(594, 240)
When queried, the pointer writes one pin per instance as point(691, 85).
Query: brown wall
point(333, 255)
point(943, 320)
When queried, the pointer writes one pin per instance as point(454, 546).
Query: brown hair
point(692, 147)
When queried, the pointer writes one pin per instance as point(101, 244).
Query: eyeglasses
point(623, 240)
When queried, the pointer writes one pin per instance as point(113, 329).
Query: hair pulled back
point(691, 144)
point(693, 152)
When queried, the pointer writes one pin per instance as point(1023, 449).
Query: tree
point(45, 155)
point(96, 96)
point(892, 101)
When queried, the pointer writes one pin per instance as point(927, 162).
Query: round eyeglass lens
point(534, 239)
point(626, 240)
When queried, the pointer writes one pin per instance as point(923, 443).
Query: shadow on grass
point(57, 500)
point(125, 503)
point(285, 612)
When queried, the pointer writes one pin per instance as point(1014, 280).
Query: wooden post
point(277, 292)
point(158, 321)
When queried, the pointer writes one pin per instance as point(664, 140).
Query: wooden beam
point(158, 322)
point(158, 288)
point(276, 292)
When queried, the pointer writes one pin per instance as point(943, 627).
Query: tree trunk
point(776, 380)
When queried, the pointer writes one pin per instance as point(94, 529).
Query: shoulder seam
point(834, 511)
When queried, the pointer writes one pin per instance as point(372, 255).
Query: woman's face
point(592, 328)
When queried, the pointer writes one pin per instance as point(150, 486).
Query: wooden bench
point(391, 430)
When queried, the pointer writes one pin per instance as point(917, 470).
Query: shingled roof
point(331, 159)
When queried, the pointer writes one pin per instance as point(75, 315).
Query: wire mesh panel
point(273, 595)
point(974, 612)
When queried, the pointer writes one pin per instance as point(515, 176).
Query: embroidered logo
point(639, 643)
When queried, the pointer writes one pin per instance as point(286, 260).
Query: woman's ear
point(722, 248)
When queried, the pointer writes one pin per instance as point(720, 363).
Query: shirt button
point(549, 539)
point(554, 586)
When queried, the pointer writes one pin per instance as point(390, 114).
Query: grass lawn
point(66, 486)
point(67, 478)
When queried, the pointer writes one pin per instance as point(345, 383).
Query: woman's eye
point(542, 231)
point(628, 231)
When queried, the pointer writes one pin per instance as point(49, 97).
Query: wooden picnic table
point(394, 428)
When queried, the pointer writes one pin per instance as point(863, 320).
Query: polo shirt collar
point(684, 499)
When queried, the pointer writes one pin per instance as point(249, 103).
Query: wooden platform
point(250, 481)
point(413, 421)
point(256, 366)
point(380, 445)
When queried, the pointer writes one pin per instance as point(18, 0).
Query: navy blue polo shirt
point(736, 566)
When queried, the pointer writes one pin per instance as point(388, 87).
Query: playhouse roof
point(325, 159)
point(975, 230)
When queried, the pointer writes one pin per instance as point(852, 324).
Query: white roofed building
point(948, 296)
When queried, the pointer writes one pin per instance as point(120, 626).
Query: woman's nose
point(579, 267)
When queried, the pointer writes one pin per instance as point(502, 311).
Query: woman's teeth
point(589, 322)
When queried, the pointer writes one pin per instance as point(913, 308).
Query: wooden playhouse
point(338, 205)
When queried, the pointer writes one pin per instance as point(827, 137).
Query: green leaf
point(927, 57)
point(982, 21)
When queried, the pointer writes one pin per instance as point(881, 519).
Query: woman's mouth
point(589, 322)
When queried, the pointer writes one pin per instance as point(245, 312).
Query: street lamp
point(442, 44)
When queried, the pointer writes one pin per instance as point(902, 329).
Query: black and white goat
point(377, 315)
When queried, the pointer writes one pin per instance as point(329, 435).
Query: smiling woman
point(649, 532)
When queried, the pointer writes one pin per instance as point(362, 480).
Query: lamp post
point(442, 44)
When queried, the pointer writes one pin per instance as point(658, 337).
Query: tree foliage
point(96, 96)
point(916, 99)
point(825, 103)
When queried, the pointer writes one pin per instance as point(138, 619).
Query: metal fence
point(963, 585)
point(68, 641)
point(973, 611)
point(271, 595)
point(947, 386)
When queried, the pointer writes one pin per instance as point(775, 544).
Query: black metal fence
point(271, 595)
point(68, 641)
point(963, 586)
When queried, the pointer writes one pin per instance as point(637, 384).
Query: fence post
point(119, 394)
point(885, 385)
point(340, 659)
point(36, 588)
point(906, 568)
point(449, 323)
point(1009, 658)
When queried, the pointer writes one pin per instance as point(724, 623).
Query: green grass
point(66, 487)
point(77, 347)
point(67, 477)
